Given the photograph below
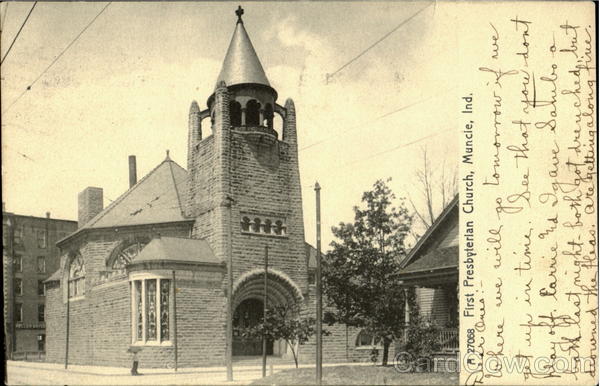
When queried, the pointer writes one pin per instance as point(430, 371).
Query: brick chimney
point(90, 202)
point(132, 171)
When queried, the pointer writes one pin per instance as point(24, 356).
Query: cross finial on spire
point(239, 12)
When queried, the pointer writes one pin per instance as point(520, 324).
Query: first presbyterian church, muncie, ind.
point(152, 270)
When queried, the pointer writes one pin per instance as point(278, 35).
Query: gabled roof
point(177, 250)
point(156, 198)
point(54, 277)
point(311, 255)
point(445, 254)
point(241, 64)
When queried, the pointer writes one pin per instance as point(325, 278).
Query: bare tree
point(437, 186)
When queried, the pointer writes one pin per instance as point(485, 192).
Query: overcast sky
point(126, 85)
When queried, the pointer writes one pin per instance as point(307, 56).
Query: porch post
point(406, 314)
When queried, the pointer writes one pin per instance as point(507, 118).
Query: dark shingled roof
point(311, 255)
point(157, 198)
point(438, 248)
point(435, 259)
point(180, 250)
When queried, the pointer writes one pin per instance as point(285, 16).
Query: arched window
point(235, 113)
point(252, 113)
point(256, 225)
point(279, 228)
point(267, 226)
point(76, 277)
point(126, 255)
point(246, 224)
point(268, 116)
point(278, 126)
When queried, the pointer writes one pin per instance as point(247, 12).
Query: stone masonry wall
point(201, 310)
point(55, 324)
point(99, 321)
point(337, 347)
point(256, 179)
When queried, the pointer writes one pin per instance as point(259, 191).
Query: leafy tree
point(360, 273)
point(283, 322)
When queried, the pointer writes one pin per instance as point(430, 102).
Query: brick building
point(175, 265)
point(29, 255)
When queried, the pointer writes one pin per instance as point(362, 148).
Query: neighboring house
point(432, 269)
point(29, 256)
point(151, 271)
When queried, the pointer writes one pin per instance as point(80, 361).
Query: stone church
point(160, 269)
point(152, 269)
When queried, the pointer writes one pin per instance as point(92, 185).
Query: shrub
point(422, 342)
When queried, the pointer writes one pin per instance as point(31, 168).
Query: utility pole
point(264, 337)
point(8, 282)
point(229, 340)
point(318, 289)
point(175, 353)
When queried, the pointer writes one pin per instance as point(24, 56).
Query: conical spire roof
point(241, 64)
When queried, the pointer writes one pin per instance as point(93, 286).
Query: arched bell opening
point(253, 113)
point(235, 111)
point(277, 125)
point(268, 116)
point(206, 130)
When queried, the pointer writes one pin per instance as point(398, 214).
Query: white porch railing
point(449, 339)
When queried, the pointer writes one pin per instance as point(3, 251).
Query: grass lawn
point(358, 375)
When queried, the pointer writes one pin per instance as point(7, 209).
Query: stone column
point(243, 116)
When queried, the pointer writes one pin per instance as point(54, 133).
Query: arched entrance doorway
point(248, 295)
point(248, 314)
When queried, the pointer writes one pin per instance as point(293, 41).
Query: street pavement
point(39, 373)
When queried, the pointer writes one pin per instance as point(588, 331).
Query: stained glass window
point(150, 319)
point(164, 310)
point(139, 311)
point(151, 309)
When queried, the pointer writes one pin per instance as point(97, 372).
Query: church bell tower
point(244, 181)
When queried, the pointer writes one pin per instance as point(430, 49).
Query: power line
point(384, 152)
point(21, 154)
point(395, 148)
point(329, 76)
point(4, 17)
point(58, 57)
point(373, 120)
point(18, 32)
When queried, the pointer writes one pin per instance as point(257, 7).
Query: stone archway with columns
point(248, 290)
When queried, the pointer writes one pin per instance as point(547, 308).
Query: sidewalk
point(37, 373)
